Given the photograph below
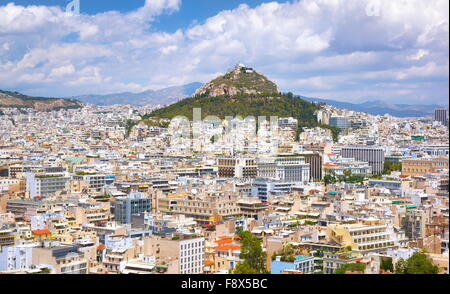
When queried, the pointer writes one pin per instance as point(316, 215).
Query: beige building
point(421, 166)
point(64, 259)
point(368, 236)
point(237, 167)
point(182, 254)
point(207, 208)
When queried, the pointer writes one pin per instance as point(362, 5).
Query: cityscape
point(223, 162)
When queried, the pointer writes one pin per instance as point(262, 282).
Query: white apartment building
point(192, 256)
point(45, 185)
point(17, 257)
point(285, 169)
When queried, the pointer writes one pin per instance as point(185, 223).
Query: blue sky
point(190, 12)
point(348, 50)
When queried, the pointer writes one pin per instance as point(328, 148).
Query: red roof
point(228, 247)
point(41, 232)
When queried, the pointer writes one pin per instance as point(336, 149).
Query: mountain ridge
point(19, 100)
point(163, 96)
point(377, 107)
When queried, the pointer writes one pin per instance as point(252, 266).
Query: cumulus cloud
point(336, 49)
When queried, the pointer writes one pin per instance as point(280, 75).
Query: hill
point(164, 96)
point(18, 100)
point(242, 92)
point(238, 81)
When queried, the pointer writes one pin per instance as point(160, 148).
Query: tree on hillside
point(418, 263)
point(254, 259)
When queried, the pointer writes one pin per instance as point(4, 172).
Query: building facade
point(373, 155)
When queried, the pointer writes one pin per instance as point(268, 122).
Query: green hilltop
point(242, 92)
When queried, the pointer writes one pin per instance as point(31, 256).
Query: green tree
point(400, 266)
point(347, 173)
point(352, 267)
point(254, 259)
point(387, 265)
point(418, 263)
point(390, 166)
point(329, 179)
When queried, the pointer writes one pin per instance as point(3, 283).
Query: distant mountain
point(381, 108)
point(18, 100)
point(164, 96)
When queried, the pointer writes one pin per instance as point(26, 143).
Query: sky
point(395, 51)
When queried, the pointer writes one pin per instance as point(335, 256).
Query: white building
point(285, 169)
point(17, 257)
point(192, 256)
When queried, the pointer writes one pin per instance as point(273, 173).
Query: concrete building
point(284, 168)
point(188, 252)
point(17, 257)
point(46, 184)
point(7, 237)
point(204, 209)
point(414, 223)
point(237, 167)
point(441, 115)
point(339, 122)
point(368, 236)
point(421, 166)
point(61, 259)
point(267, 187)
point(124, 207)
point(373, 155)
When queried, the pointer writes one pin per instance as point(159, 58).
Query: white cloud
point(321, 47)
point(61, 71)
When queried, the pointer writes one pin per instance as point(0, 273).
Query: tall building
point(315, 165)
point(17, 257)
point(188, 251)
point(441, 115)
point(124, 207)
point(414, 224)
point(373, 155)
point(340, 122)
